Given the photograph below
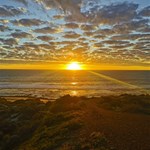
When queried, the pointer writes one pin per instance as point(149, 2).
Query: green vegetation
point(127, 103)
point(69, 123)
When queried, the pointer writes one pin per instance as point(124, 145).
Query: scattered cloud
point(113, 14)
point(9, 41)
point(4, 28)
point(7, 11)
point(87, 27)
point(72, 25)
point(128, 27)
point(4, 21)
point(46, 30)
point(71, 35)
point(25, 2)
point(58, 16)
point(21, 35)
point(90, 30)
point(145, 12)
point(28, 22)
point(45, 38)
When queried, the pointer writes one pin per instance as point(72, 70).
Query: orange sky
point(64, 67)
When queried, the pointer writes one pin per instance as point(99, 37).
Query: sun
point(74, 66)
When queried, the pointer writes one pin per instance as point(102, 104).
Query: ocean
point(54, 84)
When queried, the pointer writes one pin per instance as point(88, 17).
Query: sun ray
point(119, 82)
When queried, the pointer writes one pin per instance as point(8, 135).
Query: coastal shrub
point(126, 103)
point(69, 123)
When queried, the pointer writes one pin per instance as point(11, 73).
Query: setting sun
point(74, 66)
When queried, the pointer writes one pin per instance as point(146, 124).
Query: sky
point(100, 34)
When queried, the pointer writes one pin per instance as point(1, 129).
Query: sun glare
point(74, 66)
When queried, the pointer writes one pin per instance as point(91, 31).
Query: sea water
point(54, 84)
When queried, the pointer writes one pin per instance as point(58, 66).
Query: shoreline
point(15, 98)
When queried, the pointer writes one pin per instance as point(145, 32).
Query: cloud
point(21, 35)
point(25, 2)
point(28, 22)
point(80, 52)
point(7, 11)
point(116, 42)
point(99, 36)
point(49, 4)
point(71, 8)
point(58, 16)
point(9, 41)
point(131, 37)
point(66, 43)
point(113, 14)
point(46, 30)
point(4, 21)
point(4, 28)
point(145, 12)
point(74, 13)
point(141, 46)
point(77, 11)
point(45, 38)
point(87, 27)
point(82, 39)
point(71, 25)
point(44, 46)
point(98, 45)
point(121, 47)
point(128, 27)
point(89, 30)
point(105, 32)
point(89, 34)
point(71, 35)
point(3, 53)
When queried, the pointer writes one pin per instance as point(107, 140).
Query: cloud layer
point(83, 30)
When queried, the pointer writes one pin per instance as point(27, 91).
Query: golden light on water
point(74, 66)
